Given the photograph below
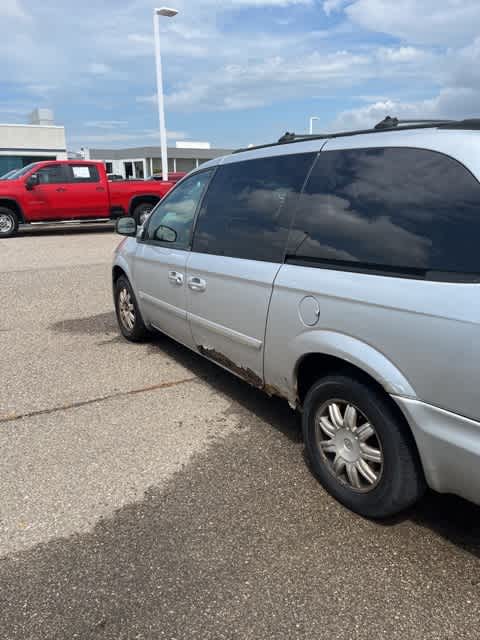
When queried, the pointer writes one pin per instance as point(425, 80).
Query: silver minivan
point(341, 272)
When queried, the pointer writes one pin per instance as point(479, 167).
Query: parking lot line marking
point(82, 403)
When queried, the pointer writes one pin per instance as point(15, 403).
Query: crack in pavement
point(81, 403)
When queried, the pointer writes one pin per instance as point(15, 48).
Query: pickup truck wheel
point(142, 211)
point(8, 222)
point(360, 449)
point(128, 314)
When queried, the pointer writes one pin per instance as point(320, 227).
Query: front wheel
point(8, 222)
point(360, 449)
point(128, 314)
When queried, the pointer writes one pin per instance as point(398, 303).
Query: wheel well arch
point(117, 272)
point(13, 204)
point(142, 199)
point(314, 366)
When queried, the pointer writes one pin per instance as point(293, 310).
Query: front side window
point(83, 173)
point(399, 210)
point(249, 205)
point(53, 174)
point(172, 220)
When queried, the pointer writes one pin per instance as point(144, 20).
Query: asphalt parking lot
point(145, 493)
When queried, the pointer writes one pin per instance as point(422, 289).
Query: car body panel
point(449, 447)
point(430, 330)
point(163, 295)
point(228, 318)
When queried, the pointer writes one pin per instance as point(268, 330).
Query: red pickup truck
point(72, 190)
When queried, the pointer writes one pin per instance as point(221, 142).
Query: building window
point(128, 170)
point(109, 167)
point(139, 173)
point(186, 164)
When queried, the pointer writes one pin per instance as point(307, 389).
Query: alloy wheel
point(126, 309)
point(349, 445)
point(6, 223)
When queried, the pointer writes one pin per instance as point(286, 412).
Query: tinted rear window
point(248, 208)
point(408, 209)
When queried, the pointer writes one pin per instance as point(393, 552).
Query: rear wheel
point(8, 222)
point(128, 314)
point(142, 211)
point(360, 449)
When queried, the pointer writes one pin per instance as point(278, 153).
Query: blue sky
point(237, 71)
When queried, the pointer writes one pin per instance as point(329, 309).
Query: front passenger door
point(46, 200)
point(160, 266)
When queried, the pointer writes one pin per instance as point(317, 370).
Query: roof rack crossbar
point(388, 124)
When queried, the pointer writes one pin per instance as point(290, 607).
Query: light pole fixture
point(311, 123)
point(168, 13)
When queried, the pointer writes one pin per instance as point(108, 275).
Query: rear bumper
point(449, 447)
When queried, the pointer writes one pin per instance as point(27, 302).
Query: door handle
point(100, 189)
point(61, 189)
point(197, 284)
point(175, 277)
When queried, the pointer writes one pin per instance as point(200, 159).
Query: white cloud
point(132, 138)
point(401, 54)
point(449, 103)
point(12, 9)
point(99, 68)
point(443, 22)
point(257, 83)
point(106, 124)
point(329, 6)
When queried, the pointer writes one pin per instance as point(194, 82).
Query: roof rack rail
point(387, 124)
point(391, 123)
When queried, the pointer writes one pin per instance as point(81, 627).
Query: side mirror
point(126, 226)
point(31, 181)
point(165, 234)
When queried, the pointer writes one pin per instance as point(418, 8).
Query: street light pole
point(163, 11)
point(311, 123)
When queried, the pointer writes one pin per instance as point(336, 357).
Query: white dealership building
point(21, 144)
point(141, 162)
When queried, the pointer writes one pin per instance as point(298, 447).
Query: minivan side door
point(238, 247)
point(161, 259)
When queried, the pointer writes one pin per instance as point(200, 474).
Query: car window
point(247, 210)
point(172, 220)
point(83, 173)
point(411, 211)
point(13, 175)
point(52, 174)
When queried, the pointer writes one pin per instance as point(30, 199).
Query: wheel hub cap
point(126, 309)
point(349, 444)
point(6, 223)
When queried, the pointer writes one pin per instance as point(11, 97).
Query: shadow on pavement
point(101, 323)
point(453, 518)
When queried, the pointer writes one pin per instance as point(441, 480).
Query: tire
point(8, 223)
point(131, 326)
point(392, 479)
point(142, 211)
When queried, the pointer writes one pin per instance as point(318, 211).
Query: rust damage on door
point(243, 372)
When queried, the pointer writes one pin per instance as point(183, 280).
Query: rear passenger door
point(86, 195)
point(238, 247)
